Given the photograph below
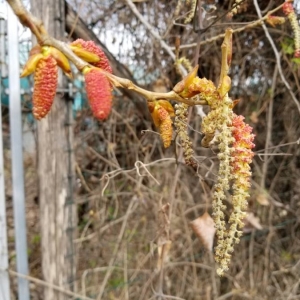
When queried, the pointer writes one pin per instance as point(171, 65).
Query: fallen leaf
point(204, 228)
point(251, 222)
point(262, 199)
point(254, 117)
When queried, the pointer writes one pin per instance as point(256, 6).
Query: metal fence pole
point(15, 117)
point(4, 278)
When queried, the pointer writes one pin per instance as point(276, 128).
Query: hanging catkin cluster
point(44, 61)
point(289, 11)
point(181, 114)
point(181, 121)
point(241, 157)
point(98, 88)
point(221, 126)
point(234, 140)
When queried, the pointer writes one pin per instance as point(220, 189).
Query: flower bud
point(287, 8)
point(45, 84)
point(31, 64)
point(165, 127)
point(62, 61)
point(275, 20)
point(183, 87)
point(98, 91)
point(161, 112)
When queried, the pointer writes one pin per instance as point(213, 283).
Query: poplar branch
point(152, 96)
point(44, 39)
point(253, 24)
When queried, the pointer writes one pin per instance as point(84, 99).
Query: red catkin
point(45, 84)
point(99, 94)
point(242, 147)
point(287, 8)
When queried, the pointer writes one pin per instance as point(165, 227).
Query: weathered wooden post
point(55, 170)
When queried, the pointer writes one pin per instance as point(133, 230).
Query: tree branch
point(253, 24)
point(36, 27)
point(152, 96)
point(277, 56)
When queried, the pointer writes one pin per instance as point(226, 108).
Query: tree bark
point(56, 172)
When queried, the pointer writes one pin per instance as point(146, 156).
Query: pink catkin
point(287, 8)
point(99, 93)
point(93, 48)
point(45, 84)
point(243, 145)
point(289, 11)
point(297, 53)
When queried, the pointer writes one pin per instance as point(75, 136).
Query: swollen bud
point(225, 86)
point(98, 91)
point(275, 20)
point(182, 87)
point(62, 61)
point(31, 64)
point(287, 8)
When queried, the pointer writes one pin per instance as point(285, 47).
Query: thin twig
point(251, 246)
point(151, 29)
point(152, 96)
point(76, 19)
point(48, 285)
point(125, 260)
point(130, 208)
point(83, 182)
point(297, 142)
point(269, 129)
point(277, 56)
point(240, 29)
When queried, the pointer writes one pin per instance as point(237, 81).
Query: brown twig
point(132, 206)
point(83, 182)
point(48, 285)
point(277, 56)
point(26, 19)
point(240, 29)
point(152, 96)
